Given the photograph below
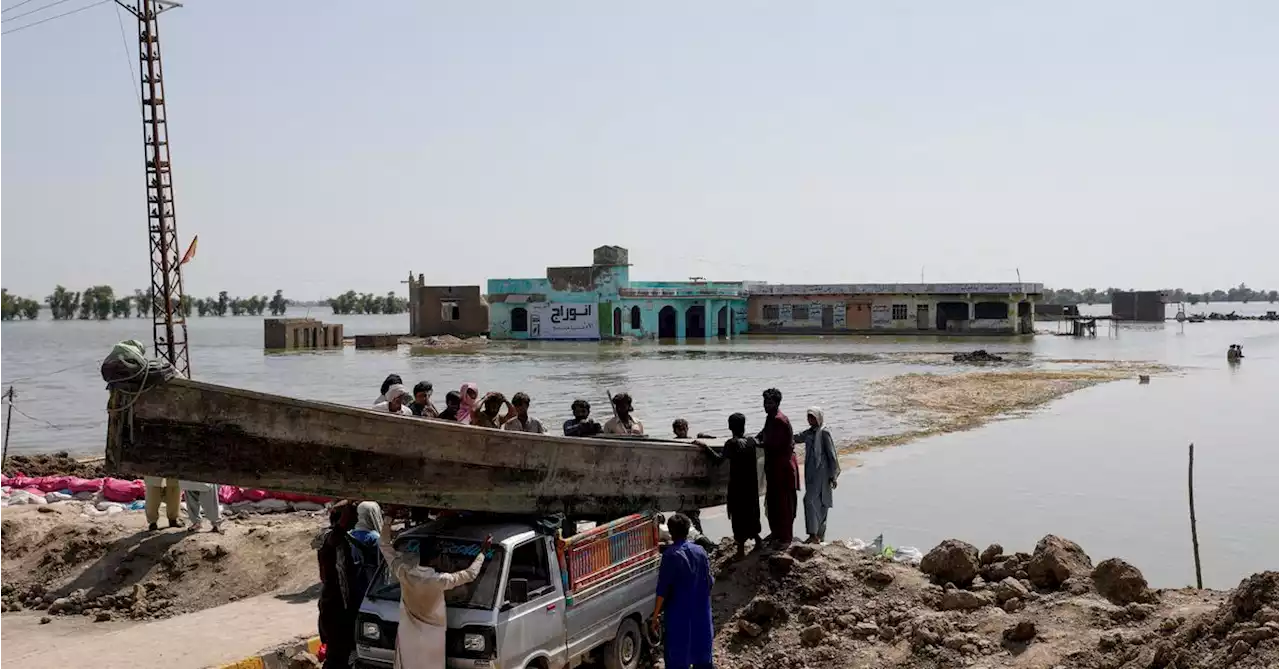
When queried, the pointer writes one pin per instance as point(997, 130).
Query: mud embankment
point(836, 608)
point(932, 404)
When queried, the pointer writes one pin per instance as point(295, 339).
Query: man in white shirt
point(522, 422)
point(420, 641)
point(623, 422)
point(395, 401)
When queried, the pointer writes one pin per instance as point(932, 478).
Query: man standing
point(684, 591)
point(521, 422)
point(623, 422)
point(202, 500)
point(159, 490)
point(339, 595)
point(420, 640)
point(781, 471)
point(581, 424)
point(743, 504)
point(421, 404)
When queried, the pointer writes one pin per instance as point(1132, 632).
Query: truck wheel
point(624, 651)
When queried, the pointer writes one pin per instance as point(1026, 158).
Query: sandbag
point(229, 494)
point(76, 484)
point(253, 494)
point(119, 490)
point(50, 483)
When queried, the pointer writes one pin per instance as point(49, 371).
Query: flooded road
point(1104, 465)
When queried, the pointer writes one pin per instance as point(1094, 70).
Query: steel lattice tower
point(169, 323)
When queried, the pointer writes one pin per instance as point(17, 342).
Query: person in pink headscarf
point(470, 393)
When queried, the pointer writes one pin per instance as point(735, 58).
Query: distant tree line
point(1241, 293)
point(351, 302)
point(17, 307)
point(101, 303)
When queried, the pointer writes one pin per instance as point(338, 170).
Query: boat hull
point(203, 432)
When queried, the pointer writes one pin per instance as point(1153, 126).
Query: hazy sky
point(321, 146)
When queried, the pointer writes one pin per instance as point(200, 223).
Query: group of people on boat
point(493, 410)
point(776, 441)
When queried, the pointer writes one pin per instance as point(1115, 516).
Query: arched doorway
point(519, 319)
point(695, 322)
point(667, 323)
point(723, 318)
point(617, 321)
point(635, 318)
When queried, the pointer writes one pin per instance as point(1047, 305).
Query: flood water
point(1105, 466)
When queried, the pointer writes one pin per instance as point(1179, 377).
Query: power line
point(57, 16)
point(37, 10)
point(9, 9)
point(128, 59)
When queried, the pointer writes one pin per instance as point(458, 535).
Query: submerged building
point(897, 308)
point(600, 301)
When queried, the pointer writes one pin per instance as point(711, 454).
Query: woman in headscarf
point(368, 522)
point(821, 469)
point(364, 545)
point(470, 394)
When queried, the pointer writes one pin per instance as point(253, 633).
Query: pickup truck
point(540, 601)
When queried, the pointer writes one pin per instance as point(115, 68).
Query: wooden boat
point(204, 432)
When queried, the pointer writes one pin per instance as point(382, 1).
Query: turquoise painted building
point(599, 301)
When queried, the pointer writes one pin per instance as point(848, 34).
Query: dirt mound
point(59, 561)
point(838, 608)
point(52, 464)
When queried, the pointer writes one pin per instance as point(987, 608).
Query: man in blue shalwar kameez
point(684, 589)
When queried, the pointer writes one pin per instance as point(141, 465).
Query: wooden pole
point(8, 423)
point(1191, 499)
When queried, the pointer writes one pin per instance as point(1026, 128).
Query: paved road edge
point(277, 658)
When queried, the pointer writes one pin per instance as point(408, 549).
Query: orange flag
point(191, 251)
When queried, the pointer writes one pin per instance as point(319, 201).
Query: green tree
point(278, 304)
point(237, 306)
point(88, 300)
point(1273, 296)
point(185, 305)
point(223, 303)
point(103, 302)
point(63, 304)
point(142, 302)
point(30, 308)
point(8, 305)
point(202, 307)
point(122, 308)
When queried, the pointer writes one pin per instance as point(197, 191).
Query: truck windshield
point(451, 555)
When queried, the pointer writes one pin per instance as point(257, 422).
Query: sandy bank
point(939, 403)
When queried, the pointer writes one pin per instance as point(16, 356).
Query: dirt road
point(202, 639)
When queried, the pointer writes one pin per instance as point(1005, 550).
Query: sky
point(320, 147)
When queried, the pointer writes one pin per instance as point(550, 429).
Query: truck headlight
point(370, 631)
point(473, 643)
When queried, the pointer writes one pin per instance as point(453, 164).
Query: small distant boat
point(1198, 318)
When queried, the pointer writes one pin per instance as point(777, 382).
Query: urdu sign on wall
point(560, 320)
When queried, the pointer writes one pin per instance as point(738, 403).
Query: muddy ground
point(828, 607)
point(63, 563)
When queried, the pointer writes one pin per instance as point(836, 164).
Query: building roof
point(894, 288)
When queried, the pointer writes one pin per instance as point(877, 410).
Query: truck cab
point(539, 601)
